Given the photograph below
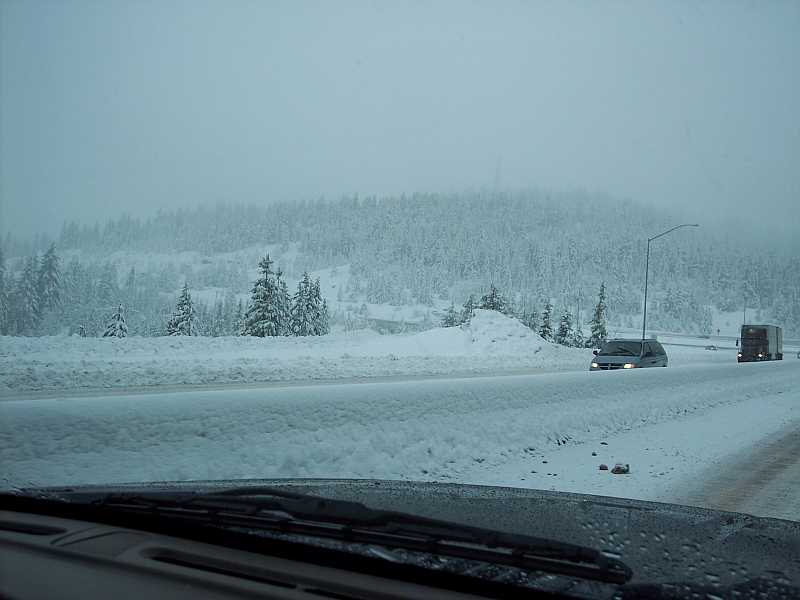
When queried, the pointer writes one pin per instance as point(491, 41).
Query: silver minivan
point(629, 354)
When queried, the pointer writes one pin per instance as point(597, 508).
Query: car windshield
point(621, 348)
point(382, 241)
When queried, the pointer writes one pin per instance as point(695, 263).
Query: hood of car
point(662, 543)
point(616, 360)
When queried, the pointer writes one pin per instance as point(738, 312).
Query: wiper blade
point(286, 512)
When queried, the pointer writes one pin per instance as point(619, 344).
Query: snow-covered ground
point(491, 344)
point(668, 424)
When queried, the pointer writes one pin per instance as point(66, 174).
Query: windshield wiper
point(285, 512)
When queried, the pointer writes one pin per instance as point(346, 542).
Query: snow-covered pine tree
point(564, 335)
point(262, 317)
point(182, 321)
point(598, 324)
point(24, 306)
point(527, 315)
point(546, 330)
point(3, 295)
point(530, 318)
point(48, 280)
point(494, 300)
point(302, 322)
point(283, 305)
point(451, 317)
point(469, 309)
point(321, 318)
point(117, 326)
point(202, 322)
point(218, 324)
point(577, 340)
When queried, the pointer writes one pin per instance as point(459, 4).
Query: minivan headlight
point(595, 365)
point(629, 366)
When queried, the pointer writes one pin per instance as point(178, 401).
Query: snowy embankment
point(491, 342)
point(492, 429)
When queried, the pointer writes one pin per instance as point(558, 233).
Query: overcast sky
point(109, 107)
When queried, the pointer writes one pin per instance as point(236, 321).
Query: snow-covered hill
point(404, 259)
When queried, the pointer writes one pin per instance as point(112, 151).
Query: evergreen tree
point(546, 330)
point(577, 340)
point(565, 334)
point(302, 322)
point(494, 300)
point(183, 319)
point(48, 281)
point(116, 326)
point(218, 324)
point(262, 318)
point(321, 318)
point(283, 305)
point(598, 323)
point(451, 317)
point(25, 309)
point(469, 309)
point(3, 295)
point(530, 318)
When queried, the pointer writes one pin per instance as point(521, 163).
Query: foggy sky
point(109, 107)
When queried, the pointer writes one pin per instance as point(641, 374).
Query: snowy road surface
point(763, 479)
point(673, 426)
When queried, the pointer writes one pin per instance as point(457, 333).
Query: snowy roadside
point(669, 461)
point(488, 430)
point(490, 343)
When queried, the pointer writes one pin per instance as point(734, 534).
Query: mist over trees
point(426, 248)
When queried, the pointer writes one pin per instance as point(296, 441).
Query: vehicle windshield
point(382, 241)
point(621, 348)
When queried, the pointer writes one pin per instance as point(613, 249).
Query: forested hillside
point(431, 249)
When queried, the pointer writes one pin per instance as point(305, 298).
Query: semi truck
point(760, 342)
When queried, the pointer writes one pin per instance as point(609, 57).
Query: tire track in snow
point(762, 480)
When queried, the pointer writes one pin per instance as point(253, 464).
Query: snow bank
point(490, 343)
point(431, 430)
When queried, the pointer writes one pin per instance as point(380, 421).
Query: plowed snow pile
point(491, 342)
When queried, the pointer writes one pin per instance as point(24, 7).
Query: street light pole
point(647, 272)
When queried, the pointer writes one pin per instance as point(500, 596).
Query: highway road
point(712, 434)
point(763, 479)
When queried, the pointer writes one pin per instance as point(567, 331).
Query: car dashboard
point(49, 557)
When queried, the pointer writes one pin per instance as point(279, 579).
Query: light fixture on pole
point(647, 272)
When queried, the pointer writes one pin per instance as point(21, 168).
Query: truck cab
point(759, 343)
